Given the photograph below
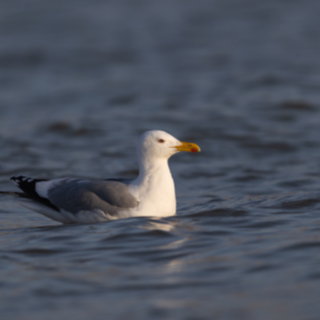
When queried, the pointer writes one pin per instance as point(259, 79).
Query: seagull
point(71, 200)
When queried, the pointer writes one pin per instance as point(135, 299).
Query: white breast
point(155, 192)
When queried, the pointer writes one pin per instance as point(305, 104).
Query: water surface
point(81, 80)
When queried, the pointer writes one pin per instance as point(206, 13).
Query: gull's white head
point(160, 144)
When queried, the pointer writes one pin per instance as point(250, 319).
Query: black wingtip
point(19, 179)
point(16, 177)
point(28, 186)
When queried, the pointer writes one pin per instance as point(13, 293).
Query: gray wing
point(75, 195)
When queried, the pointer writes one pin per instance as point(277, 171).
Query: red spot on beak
point(194, 150)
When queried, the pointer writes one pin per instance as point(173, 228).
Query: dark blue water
point(81, 80)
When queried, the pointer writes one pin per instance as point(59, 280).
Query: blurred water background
point(80, 80)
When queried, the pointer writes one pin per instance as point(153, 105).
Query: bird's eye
point(161, 141)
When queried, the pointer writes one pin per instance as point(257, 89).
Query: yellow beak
point(188, 146)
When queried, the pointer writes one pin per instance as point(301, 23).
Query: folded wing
point(71, 198)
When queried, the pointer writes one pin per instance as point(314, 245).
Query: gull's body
point(70, 200)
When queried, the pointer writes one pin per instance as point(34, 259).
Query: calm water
point(80, 80)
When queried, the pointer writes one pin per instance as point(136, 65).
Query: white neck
point(154, 188)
